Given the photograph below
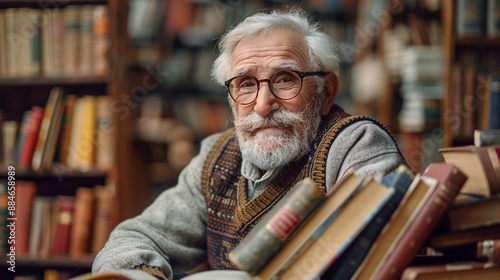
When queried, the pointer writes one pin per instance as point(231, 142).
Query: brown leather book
point(82, 222)
point(463, 270)
point(450, 181)
point(65, 209)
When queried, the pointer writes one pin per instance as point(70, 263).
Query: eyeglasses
point(284, 85)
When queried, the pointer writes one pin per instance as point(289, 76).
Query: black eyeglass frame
point(302, 75)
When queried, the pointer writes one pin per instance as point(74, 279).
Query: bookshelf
point(470, 51)
point(107, 77)
point(392, 83)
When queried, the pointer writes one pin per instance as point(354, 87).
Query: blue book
point(347, 263)
point(494, 114)
point(470, 18)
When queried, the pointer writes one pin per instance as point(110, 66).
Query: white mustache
point(280, 118)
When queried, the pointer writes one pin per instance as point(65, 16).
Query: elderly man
point(280, 71)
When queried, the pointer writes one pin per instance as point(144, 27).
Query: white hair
point(322, 48)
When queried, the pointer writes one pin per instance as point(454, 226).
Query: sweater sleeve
point(170, 233)
point(364, 147)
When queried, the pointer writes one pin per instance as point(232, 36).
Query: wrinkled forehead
point(276, 49)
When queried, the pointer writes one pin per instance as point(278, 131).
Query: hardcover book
point(25, 194)
point(486, 137)
point(462, 271)
point(102, 216)
point(418, 192)
point(335, 197)
point(266, 238)
point(448, 239)
point(493, 19)
point(49, 131)
point(64, 223)
point(29, 143)
point(480, 164)
point(82, 222)
point(494, 113)
point(338, 232)
point(345, 266)
point(450, 181)
point(472, 213)
point(471, 18)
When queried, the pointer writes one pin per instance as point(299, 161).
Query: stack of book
point(422, 88)
point(361, 228)
point(471, 226)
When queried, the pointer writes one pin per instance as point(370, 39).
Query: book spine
point(9, 134)
point(81, 231)
point(252, 254)
point(102, 215)
point(65, 209)
point(470, 18)
point(486, 137)
point(65, 132)
point(450, 180)
point(25, 194)
point(104, 145)
point(31, 137)
point(100, 41)
point(87, 142)
point(43, 134)
point(493, 18)
point(3, 45)
point(469, 107)
point(53, 135)
point(4, 214)
point(35, 36)
point(35, 234)
point(494, 116)
point(46, 44)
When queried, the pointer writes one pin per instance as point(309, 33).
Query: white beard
point(270, 150)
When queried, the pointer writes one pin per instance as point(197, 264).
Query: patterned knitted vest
point(230, 215)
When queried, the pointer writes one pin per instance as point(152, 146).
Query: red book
point(65, 209)
point(31, 137)
point(25, 193)
point(450, 180)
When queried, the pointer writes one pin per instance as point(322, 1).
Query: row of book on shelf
point(73, 131)
point(70, 41)
point(477, 18)
point(387, 229)
point(55, 226)
point(475, 93)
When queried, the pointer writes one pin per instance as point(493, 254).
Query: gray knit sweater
point(171, 233)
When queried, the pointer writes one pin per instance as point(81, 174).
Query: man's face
point(271, 131)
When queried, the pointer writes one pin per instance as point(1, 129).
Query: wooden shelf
point(477, 42)
point(39, 81)
point(47, 4)
point(55, 173)
point(56, 262)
